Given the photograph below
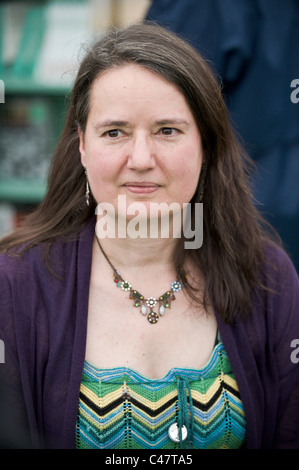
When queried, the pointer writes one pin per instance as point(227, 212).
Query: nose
point(141, 156)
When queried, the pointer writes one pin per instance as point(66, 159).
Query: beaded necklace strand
point(146, 306)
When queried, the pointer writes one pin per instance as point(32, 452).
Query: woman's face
point(141, 140)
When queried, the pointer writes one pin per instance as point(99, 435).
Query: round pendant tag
point(173, 433)
point(153, 317)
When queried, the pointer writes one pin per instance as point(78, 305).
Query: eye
point(113, 133)
point(168, 131)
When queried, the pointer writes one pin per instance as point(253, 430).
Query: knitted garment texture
point(121, 409)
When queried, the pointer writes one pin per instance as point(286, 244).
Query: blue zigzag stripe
point(120, 408)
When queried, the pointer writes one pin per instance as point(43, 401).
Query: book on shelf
point(40, 41)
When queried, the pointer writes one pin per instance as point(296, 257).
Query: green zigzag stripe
point(120, 408)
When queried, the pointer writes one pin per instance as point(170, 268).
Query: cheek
point(187, 172)
point(101, 182)
point(99, 175)
point(101, 167)
point(188, 185)
point(102, 162)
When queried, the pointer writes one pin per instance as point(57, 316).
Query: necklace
point(146, 306)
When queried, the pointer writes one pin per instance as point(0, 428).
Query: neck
point(145, 261)
point(128, 253)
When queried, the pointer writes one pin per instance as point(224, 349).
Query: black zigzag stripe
point(101, 411)
point(149, 411)
point(205, 406)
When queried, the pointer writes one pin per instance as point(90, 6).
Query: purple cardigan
point(43, 328)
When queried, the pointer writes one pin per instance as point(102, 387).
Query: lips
point(141, 187)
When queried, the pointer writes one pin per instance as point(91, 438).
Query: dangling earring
point(202, 177)
point(87, 191)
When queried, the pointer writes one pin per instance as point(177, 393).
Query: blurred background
point(252, 45)
point(41, 44)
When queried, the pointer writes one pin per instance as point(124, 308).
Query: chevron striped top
point(121, 409)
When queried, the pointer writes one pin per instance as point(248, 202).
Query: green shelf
point(26, 86)
point(22, 191)
point(18, 76)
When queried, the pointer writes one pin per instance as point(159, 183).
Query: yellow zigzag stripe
point(116, 394)
point(208, 393)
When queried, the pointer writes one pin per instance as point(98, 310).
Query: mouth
point(141, 187)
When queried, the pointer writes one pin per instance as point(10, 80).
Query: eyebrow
point(164, 122)
point(110, 123)
point(160, 122)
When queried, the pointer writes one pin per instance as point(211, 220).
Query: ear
point(81, 146)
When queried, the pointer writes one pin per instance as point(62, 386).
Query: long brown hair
point(232, 251)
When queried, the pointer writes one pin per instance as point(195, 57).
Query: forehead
point(129, 84)
point(128, 71)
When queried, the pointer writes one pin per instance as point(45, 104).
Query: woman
point(139, 342)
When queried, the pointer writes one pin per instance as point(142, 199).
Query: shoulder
point(33, 297)
point(19, 269)
point(275, 307)
point(43, 260)
point(278, 271)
